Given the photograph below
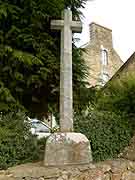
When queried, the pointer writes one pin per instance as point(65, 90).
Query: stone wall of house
point(100, 39)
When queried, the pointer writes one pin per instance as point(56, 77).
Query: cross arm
point(76, 26)
point(57, 24)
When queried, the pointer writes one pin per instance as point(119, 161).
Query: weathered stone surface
point(66, 26)
point(128, 175)
point(67, 149)
point(118, 169)
point(100, 36)
point(95, 174)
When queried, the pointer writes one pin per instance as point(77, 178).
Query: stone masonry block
point(67, 149)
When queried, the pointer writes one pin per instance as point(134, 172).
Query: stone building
point(100, 56)
point(128, 68)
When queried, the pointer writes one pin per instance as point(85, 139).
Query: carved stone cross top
point(66, 26)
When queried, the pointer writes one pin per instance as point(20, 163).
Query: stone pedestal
point(67, 149)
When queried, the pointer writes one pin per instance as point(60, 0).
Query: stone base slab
point(67, 149)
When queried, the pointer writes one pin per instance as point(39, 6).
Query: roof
point(130, 60)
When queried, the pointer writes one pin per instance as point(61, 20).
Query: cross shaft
point(66, 26)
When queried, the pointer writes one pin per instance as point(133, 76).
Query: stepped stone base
point(67, 149)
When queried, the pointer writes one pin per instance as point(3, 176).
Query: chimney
point(100, 35)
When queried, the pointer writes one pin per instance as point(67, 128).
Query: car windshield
point(39, 127)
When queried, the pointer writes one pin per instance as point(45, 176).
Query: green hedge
point(118, 96)
point(17, 145)
point(108, 132)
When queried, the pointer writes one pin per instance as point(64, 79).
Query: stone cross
point(66, 26)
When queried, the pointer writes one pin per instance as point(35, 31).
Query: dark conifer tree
point(30, 54)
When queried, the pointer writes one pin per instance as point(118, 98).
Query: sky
point(117, 15)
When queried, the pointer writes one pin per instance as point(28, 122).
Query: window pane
point(104, 57)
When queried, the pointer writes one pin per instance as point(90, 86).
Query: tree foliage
point(30, 52)
point(109, 122)
point(17, 144)
point(108, 132)
point(118, 96)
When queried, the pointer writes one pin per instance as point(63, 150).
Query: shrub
point(17, 145)
point(108, 132)
point(118, 96)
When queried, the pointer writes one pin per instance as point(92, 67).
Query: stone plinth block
point(67, 149)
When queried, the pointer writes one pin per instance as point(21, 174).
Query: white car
point(39, 128)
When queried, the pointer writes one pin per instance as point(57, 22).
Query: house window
point(104, 57)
